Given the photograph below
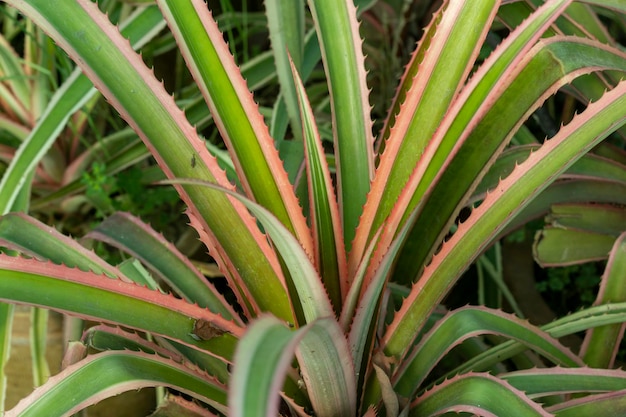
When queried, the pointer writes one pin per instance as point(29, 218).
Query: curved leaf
point(128, 233)
point(23, 233)
point(480, 394)
point(549, 65)
point(103, 299)
point(499, 207)
point(467, 322)
point(110, 373)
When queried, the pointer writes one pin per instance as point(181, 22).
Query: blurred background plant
point(98, 166)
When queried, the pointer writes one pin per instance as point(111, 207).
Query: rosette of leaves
point(334, 311)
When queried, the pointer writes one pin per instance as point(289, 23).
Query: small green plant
point(351, 287)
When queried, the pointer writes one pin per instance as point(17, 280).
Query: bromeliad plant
point(353, 287)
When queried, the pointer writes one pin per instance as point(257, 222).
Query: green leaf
point(607, 404)
point(601, 344)
point(236, 114)
point(337, 31)
point(480, 394)
point(327, 369)
point(262, 361)
point(38, 335)
point(583, 320)
point(599, 218)
point(6, 324)
point(310, 293)
point(330, 255)
point(98, 298)
point(443, 70)
point(467, 322)
point(550, 381)
point(483, 125)
point(285, 20)
point(23, 233)
point(562, 247)
point(73, 94)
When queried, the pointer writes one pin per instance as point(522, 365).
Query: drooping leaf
point(467, 322)
point(480, 394)
point(108, 373)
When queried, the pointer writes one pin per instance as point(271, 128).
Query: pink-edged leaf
point(128, 233)
point(606, 404)
point(25, 234)
point(330, 255)
point(98, 298)
point(262, 361)
point(338, 33)
point(467, 322)
point(103, 337)
point(235, 113)
point(476, 145)
point(554, 381)
point(601, 344)
point(110, 373)
point(479, 394)
point(441, 75)
point(498, 208)
point(308, 293)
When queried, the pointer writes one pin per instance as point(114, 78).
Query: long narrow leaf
point(99, 298)
point(499, 207)
point(310, 293)
point(337, 30)
point(442, 73)
point(235, 112)
point(467, 322)
point(329, 252)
